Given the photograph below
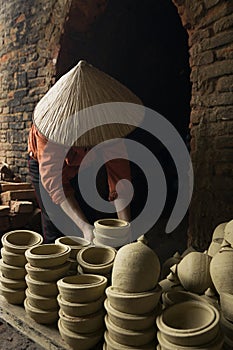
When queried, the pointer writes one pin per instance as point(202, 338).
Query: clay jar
point(136, 268)
point(194, 272)
point(221, 268)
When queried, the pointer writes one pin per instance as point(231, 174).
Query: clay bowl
point(128, 337)
point(80, 309)
point(134, 303)
point(219, 231)
point(73, 264)
point(174, 297)
point(19, 241)
point(82, 288)
point(129, 321)
point(115, 242)
point(113, 345)
point(43, 289)
point(215, 344)
point(12, 272)
point(48, 255)
point(75, 243)
point(42, 303)
point(79, 341)
point(13, 259)
point(47, 274)
point(13, 284)
point(40, 316)
point(226, 302)
point(84, 324)
point(114, 228)
point(97, 260)
point(13, 296)
point(190, 323)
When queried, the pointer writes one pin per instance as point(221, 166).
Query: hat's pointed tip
point(82, 63)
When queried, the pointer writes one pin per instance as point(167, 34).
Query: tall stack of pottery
point(47, 263)
point(133, 298)
point(112, 232)
point(96, 260)
point(12, 264)
point(76, 244)
point(81, 298)
point(189, 325)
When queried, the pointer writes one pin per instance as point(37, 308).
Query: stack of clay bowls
point(12, 264)
point(189, 325)
point(112, 232)
point(47, 263)
point(76, 244)
point(81, 298)
point(132, 300)
point(96, 260)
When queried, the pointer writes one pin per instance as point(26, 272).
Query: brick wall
point(30, 34)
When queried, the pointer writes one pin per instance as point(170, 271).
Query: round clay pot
point(12, 272)
point(40, 302)
point(194, 272)
point(219, 231)
point(13, 284)
point(80, 309)
point(75, 243)
point(128, 337)
point(48, 274)
point(96, 260)
point(136, 268)
point(43, 289)
point(175, 259)
point(226, 302)
point(129, 321)
point(73, 264)
point(19, 241)
point(215, 344)
point(40, 316)
point(103, 240)
point(77, 341)
point(113, 345)
point(175, 296)
point(227, 327)
point(82, 288)
point(13, 296)
point(228, 233)
point(48, 255)
point(114, 228)
point(13, 259)
point(168, 285)
point(134, 303)
point(190, 323)
point(221, 268)
point(84, 324)
point(214, 247)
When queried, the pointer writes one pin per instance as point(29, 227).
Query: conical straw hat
point(83, 99)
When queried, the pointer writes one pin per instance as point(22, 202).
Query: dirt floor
point(10, 339)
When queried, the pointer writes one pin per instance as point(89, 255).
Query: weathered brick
point(224, 113)
point(221, 99)
point(223, 24)
point(210, 3)
point(218, 40)
point(223, 9)
point(202, 59)
point(21, 80)
point(16, 125)
point(216, 69)
point(225, 53)
point(37, 82)
point(225, 84)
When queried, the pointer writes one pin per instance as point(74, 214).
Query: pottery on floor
point(73, 264)
point(136, 268)
point(82, 288)
point(219, 231)
point(103, 240)
point(115, 228)
point(77, 341)
point(226, 302)
point(179, 296)
point(41, 316)
point(43, 289)
point(48, 255)
point(84, 324)
point(12, 283)
point(128, 337)
point(194, 272)
point(228, 233)
point(214, 247)
point(12, 272)
point(51, 274)
point(18, 241)
point(113, 345)
point(43, 303)
point(129, 321)
point(80, 309)
point(221, 268)
point(226, 326)
point(13, 259)
point(12, 296)
point(134, 303)
point(190, 323)
point(75, 243)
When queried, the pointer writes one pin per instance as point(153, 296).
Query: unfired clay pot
point(80, 309)
point(79, 341)
point(194, 272)
point(40, 316)
point(12, 272)
point(228, 233)
point(19, 241)
point(51, 274)
point(48, 255)
point(113, 345)
point(75, 243)
point(43, 289)
point(13, 259)
point(221, 268)
point(40, 302)
point(13, 284)
point(136, 268)
point(219, 231)
point(13, 296)
point(215, 246)
point(175, 296)
point(115, 228)
point(175, 259)
point(226, 302)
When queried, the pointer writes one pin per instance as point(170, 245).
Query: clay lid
point(69, 109)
